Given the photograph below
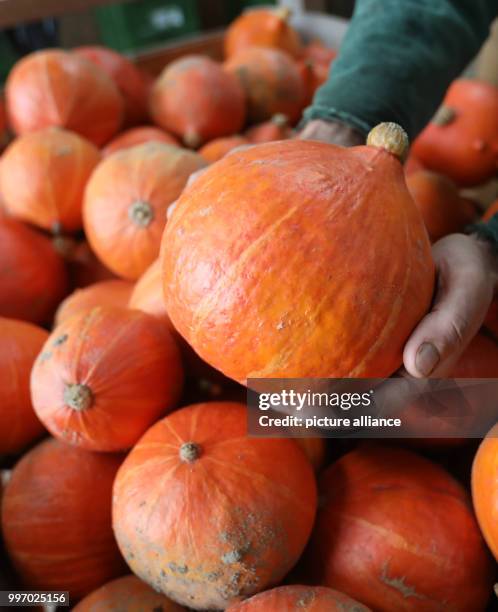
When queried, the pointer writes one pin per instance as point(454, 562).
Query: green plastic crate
point(132, 26)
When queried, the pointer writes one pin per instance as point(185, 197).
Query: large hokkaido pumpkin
point(56, 519)
point(104, 376)
point(20, 344)
point(461, 141)
point(397, 532)
point(196, 99)
point(485, 489)
point(277, 128)
point(443, 210)
point(264, 265)
point(271, 81)
point(208, 515)
point(297, 598)
point(43, 176)
point(105, 293)
point(59, 88)
point(133, 85)
point(137, 136)
point(263, 28)
point(33, 276)
point(219, 147)
point(127, 594)
point(126, 201)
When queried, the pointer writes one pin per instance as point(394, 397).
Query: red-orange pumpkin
point(56, 519)
point(33, 276)
point(396, 532)
point(272, 83)
point(491, 211)
point(113, 292)
point(43, 176)
point(277, 128)
point(263, 28)
point(315, 449)
point(104, 376)
point(299, 599)
point(133, 85)
point(20, 343)
point(314, 75)
point(126, 201)
point(219, 147)
point(316, 52)
point(251, 305)
point(479, 360)
point(485, 489)
point(137, 136)
point(258, 493)
point(84, 267)
point(443, 210)
point(412, 164)
point(127, 594)
point(59, 88)
point(462, 139)
point(196, 99)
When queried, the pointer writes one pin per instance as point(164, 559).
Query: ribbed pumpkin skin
point(262, 28)
point(127, 594)
point(466, 148)
point(485, 489)
point(34, 278)
point(43, 177)
point(320, 310)
point(132, 84)
point(397, 532)
point(153, 174)
point(196, 99)
point(58, 88)
point(271, 81)
point(20, 343)
point(106, 293)
point(443, 210)
point(219, 147)
point(258, 496)
point(299, 599)
point(128, 361)
point(137, 136)
point(56, 519)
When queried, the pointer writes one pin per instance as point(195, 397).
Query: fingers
point(464, 293)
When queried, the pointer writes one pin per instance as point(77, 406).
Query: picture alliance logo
point(291, 399)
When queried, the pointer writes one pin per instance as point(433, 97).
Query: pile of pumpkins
point(135, 304)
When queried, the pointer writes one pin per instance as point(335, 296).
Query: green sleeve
point(398, 58)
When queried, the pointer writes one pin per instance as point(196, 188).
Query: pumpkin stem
point(444, 115)
point(391, 137)
point(78, 397)
point(141, 213)
point(192, 140)
point(280, 120)
point(283, 13)
point(190, 452)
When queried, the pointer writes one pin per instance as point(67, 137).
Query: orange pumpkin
point(126, 201)
point(104, 376)
point(443, 210)
point(33, 276)
point(412, 164)
point(219, 147)
point(56, 519)
point(20, 343)
point(138, 136)
point(263, 28)
point(485, 489)
point(59, 88)
point(106, 293)
point(43, 176)
point(314, 75)
point(277, 128)
point(127, 594)
point(196, 99)
point(299, 598)
point(491, 211)
point(253, 306)
point(315, 449)
point(271, 81)
point(316, 52)
point(395, 531)
point(461, 141)
point(147, 294)
point(131, 82)
point(479, 360)
point(258, 493)
point(84, 267)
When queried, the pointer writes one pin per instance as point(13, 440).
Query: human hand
point(467, 275)
point(333, 132)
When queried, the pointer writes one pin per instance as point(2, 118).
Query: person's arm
point(396, 62)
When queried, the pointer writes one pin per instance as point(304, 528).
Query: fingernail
point(427, 358)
